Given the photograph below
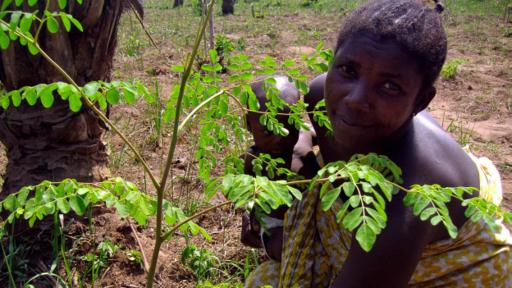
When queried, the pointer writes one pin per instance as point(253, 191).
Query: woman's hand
point(250, 231)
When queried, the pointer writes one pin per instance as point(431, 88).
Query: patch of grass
point(200, 261)
point(460, 131)
point(450, 68)
point(477, 7)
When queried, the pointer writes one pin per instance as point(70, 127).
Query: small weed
point(493, 148)
point(450, 68)
point(135, 257)
point(505, 166)
point(241, 44)
point(200, 261)
point(134, 46)
point(98, 260)
point(208, 284)
point(460, 131)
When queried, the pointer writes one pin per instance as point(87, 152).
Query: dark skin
point(373, 92)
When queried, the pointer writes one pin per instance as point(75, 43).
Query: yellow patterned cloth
point(315, 248)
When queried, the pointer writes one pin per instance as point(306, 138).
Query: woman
point(387, 58)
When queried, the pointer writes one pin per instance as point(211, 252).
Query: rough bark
point(56, 143)
point(228, 7)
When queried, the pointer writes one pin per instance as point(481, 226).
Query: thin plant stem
point(139, 18)
point(177, 226)
point(160, 191)
point(8, 264)
point(144, 258)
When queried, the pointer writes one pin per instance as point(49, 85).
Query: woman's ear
point(424, 98)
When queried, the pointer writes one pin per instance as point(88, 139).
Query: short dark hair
point(416, 27)
point(286, 89)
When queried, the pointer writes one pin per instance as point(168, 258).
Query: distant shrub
point(451, 67)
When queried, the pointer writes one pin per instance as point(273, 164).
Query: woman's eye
point(347, 70)
point(391, 86)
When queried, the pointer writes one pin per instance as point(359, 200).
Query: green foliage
point(223, 45)
point(102, 93)
point(19, 25)
point(369, 182)
point(207, 284)
point(450, 68)
point(367, 191)
point(200, 261)
point(265, 165)
point(134, 256)
point(99, 259)
point(34, 203)
point(268, 195)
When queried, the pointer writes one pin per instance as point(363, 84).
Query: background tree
point(177, 3)
point(228, 7)
point(56, 143)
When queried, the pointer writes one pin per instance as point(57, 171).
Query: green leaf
point(4, 101)
point(32, 2)
point(65, 22)
point(75, 103)
point(353, 219)
point(10, 203)
point(213, 55)
point(113, 96)
point(354, 200)
point(341, 213)
point(122, 209)
point(31, 96)
point(419, 205)
point(4, 40)
point(379, 216)
point(427, 213)
point(435, 220)
point(129, 95)
point(52, 25)
point(90, 90)
point(46, 96)
point(62, 4)
point(6, 3)
point(16, 98)
point(366, 237)
point(348, 188)
point(452, 230)
point(63, 205)
point(295, 192)
point(33, 49)
point(25, 23)
point(77, 204)
point(76, 23)
point(329, 198)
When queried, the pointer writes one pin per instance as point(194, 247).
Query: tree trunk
point(56, 143)
point(228, 7)
point(177, 3)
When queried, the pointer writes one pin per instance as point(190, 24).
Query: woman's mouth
point(354, 124)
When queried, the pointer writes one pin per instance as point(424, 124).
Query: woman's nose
point(358, 98)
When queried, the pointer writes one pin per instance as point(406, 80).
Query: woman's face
point(371, 90)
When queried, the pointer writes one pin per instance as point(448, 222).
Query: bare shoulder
point(437, 158)
point(316, 91)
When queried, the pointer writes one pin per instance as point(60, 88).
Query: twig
point(144, 259)
point(139, 18)
point(177, 226)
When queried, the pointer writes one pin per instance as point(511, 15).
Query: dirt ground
point(475, 106)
